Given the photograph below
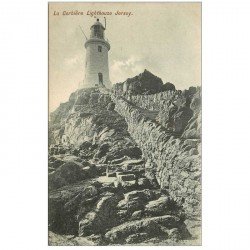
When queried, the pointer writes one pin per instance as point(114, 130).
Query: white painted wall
point(96, 62)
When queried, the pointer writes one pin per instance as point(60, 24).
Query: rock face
point(92, 128)
point(144, 83)
point(193, 128)
point(125, 165)
point(168, 87)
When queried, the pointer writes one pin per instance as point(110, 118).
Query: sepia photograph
point(124, 139)
point(125, 124)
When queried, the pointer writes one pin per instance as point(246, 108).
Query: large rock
point(144, 83)
point(131, 205)
point(69, 204)
point(68, 173)
point(102, 218)
point(136, 200)
point(151, 226)
point(168, 87)
point(158, 207)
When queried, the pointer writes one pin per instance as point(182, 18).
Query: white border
point(23, 126)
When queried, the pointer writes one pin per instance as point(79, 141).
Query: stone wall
point(154, 102)
point(159, 100)
point(175, 108)
point(174, 162)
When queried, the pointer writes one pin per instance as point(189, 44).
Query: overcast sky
point(164, 38)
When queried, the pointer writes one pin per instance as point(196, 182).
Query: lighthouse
point(96, 63)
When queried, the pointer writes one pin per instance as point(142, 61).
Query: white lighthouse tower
point(96, 64)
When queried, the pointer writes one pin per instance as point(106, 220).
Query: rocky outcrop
point(91, 129)
point(124, 167)
point(68, 204)
point(144, 83)
point(168, 87)
point(158, 207)
point(70, 172)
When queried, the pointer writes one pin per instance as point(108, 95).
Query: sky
point(164, 38)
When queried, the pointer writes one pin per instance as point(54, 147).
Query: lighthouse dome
point(97, 23)
point(97, 30)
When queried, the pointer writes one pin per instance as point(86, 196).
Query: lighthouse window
point(96, 30)
point(100, 48)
